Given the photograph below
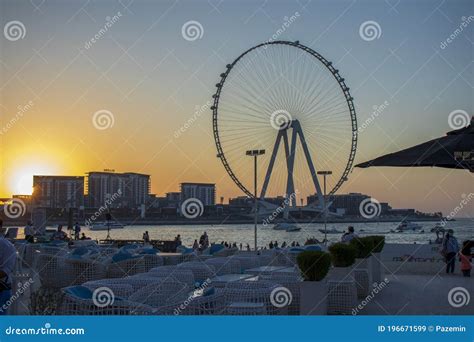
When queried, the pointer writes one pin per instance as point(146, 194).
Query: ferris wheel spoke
point(264, 82)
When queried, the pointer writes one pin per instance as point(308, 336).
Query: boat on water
point(289, 227)
point(331, 231)
point(105, 225)
point(408, 226)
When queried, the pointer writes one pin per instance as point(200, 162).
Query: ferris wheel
point(287, 99)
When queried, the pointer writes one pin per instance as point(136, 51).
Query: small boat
point(408, 226)
point(289, 227)
point(106, 225)
point(331, 231)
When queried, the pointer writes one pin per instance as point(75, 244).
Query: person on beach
point(29, 232)
point(84, 237)
point(59, 234)
point(349, 235)
point(146, 237)
point(195, 245)
point(450, 248)
point(7, 264)
point(77, 231)
point(178, 241)
point(204, 241)
point(466, 259)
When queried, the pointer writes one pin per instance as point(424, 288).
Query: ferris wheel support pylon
point(290, 151)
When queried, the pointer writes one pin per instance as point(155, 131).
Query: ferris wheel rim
point(340, 80)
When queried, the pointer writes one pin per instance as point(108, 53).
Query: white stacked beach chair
point(201, 271)
point(151, 261)
point(173, 273)
point(84, 270)
point(125, 268)
point(246, 262)
point(223, 265)
point(212, 304)
point(178, 259)
point(73, 305)
point(53, 271)
point(121, 290)
point(342, 296)
point(165, 296)
point(250, 298)
point(290, 281)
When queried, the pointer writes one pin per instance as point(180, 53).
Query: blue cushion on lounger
point(313, 248)
point(121, 256)
point(209, 292)
point(147, 251)
point(296, 250)
point(216, 248)
point(79, 291)
point(80, 251)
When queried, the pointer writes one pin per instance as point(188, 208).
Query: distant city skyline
point(153, 88)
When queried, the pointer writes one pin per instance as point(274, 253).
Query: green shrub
point(314, 265)
point(378, 241)
point(363, 246)
point(342, 255)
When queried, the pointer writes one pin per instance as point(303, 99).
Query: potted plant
point(314, 266)
point(343, 257)
point(363, 246)
point(378, 242)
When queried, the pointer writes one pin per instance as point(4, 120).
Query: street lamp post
point(324, 174)
point(255, 154)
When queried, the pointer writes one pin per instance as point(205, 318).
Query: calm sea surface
point(243, 233)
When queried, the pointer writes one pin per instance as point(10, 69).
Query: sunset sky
point(153, 81)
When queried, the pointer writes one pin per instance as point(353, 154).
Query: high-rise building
point(350, 202)
point(120, 190)
point(205, 192)
point(58, 191)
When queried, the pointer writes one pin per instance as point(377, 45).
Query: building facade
point(128, 190)
point(58, 191)
point(205, 192)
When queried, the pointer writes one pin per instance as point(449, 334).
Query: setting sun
point(21, 182)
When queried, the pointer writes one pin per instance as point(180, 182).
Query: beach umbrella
point(454, 151)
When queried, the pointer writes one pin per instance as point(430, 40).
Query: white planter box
point(313, 297)
point(377, 268)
